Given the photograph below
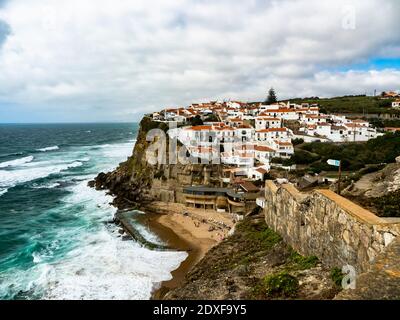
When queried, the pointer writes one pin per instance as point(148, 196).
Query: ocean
point(56, 239)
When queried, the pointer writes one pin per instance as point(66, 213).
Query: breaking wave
point(16, 162)
point(53, 148)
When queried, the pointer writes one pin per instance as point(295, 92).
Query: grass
point(354, 156)
point(280, 285)
point(251, 241)
point(351, 104)
point(300, 262)
point(337, 276)
point(258, 232)
point(387, 205)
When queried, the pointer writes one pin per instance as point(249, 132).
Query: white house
point(283, 149)
point(244, 133)
point(264, 154)
point(266, 135)
point(396, 104)
point(284, 113)
point(267, 122)
point(258, 173)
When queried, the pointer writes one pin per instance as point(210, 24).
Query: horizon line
point(73, 122)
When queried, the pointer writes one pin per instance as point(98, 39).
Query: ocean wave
point(101, 267)
point(16, 162)
point(48, 149)
point(105, 267)
point(47, 185)
point(3, 191)
point(15, 177)
point(11, 154)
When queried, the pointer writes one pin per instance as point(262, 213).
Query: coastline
point(183, 233)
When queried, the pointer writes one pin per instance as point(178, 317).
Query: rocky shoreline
point(220, 264)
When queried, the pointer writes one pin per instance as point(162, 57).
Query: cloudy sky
point(107, 60)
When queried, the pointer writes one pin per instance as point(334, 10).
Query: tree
point(271, 96)
point(196, 121)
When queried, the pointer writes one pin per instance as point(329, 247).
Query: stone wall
point(326, 225)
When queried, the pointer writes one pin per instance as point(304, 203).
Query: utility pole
point(340, 175)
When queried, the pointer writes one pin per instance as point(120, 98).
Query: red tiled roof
point(262, 118)
point(199, 128)
point(264, 149)
point(272, 130)
point(261, 170)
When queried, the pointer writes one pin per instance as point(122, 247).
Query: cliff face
point(136, 182)
point(130, 182)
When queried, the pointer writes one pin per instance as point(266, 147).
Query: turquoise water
point(56, 241)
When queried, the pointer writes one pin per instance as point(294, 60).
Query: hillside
point(256, 264)
point(351, 104)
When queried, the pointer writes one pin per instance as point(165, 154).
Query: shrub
point(297, 141)
point(277, 160)
point(304, 157)
point(211, 118)
point(301, 262)
point(337, 276)
point(196, 121)
point(281, 285)
point(388, 205)
point(159, 174)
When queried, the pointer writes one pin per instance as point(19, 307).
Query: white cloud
point(108, 60)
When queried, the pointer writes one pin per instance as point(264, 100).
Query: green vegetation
point(271, 97)
point(297, 141)
point(148, 124)
point(300, 262)
point(354, 156)
point(255, 240)
point(281, 285)
point(387, 205)
point(337, 276)
point(212, 118)
point(258, 233)
point(196, 121)
point(351, 104)
point(302, 157)
point(383, 123)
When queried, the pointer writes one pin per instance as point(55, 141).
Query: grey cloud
point(143, 55)
point(4, 31)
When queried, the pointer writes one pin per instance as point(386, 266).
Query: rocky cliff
point(136, 182)
point(132, 179)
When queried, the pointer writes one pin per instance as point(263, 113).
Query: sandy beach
point(195, 231)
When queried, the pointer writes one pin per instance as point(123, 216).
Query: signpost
point(336, 163)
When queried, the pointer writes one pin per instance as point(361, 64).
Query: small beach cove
point(194, 231)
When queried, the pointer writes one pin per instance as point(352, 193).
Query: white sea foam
point(103, 266)
point(48, 149)
point(16, 162)
point(15, 177)
point(47, 185)
point(118, 151)
point(3, 191)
